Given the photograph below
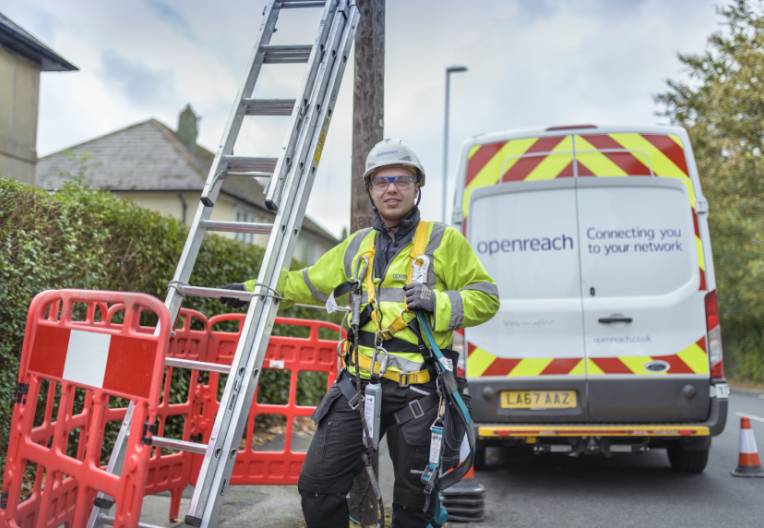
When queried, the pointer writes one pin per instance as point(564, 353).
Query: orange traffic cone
point(749, 464)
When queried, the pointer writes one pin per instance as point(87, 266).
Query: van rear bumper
point(713, 426)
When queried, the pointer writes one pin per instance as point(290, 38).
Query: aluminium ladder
point(291, 179)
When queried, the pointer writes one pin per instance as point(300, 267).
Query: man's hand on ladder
point(230, 301)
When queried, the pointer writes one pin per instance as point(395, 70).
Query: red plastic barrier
point(78, 374)
point(278, 464)
point(76, 366)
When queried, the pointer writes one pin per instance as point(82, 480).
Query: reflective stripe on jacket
point(465, 294)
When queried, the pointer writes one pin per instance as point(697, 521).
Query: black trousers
point(334, 458)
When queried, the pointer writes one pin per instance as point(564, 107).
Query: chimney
point(187, 127)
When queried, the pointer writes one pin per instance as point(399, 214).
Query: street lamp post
point(449, 71)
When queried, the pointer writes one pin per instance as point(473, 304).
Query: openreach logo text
point(520, 245)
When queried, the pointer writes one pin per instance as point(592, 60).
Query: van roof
point(556, 130)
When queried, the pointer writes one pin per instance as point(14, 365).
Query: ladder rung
point(293, 4)
point(181, 445)
point(268, 107)
point(197, 365)
point(251, 174)
point(212, 293)
point(286, 54)
point(249, 164)
point(237, 227)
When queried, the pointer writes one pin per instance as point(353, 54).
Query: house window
point(245, 216)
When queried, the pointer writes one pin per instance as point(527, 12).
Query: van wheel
point(480, 457)
point(683, 460)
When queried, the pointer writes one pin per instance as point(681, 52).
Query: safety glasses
point(403, 181)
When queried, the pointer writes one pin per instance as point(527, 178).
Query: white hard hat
point(392, 152)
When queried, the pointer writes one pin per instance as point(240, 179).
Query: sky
point(530, 63)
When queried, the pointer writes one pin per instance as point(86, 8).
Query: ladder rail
point(240, 386)
point(116, 459)
point(212, 186)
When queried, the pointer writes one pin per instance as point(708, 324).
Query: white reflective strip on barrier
point(86, 358)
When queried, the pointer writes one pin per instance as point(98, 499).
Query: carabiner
point(382, 363)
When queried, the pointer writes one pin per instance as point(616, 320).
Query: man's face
point(394, 200)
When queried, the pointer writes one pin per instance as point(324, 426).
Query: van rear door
point(527, 363)
point(643, 311)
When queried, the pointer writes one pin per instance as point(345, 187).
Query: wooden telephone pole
point(368, 129)
point(368, 103)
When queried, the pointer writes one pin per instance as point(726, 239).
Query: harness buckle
point(416, 409)
point(355, 401)
point(384, 334)
point(403, 380)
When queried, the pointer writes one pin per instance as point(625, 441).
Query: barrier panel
point(279, 460)
point(84, 356)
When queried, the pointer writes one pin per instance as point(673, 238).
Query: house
point(164, 170)
point(22, 58)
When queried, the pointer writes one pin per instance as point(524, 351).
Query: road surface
point(554, 490)
point(628, 490)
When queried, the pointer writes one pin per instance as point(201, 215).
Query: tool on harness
point(372, 403)
point(430, 472)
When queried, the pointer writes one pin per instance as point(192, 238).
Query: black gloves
point(419, 297)
point(230, 301)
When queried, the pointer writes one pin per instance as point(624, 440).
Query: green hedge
point(83, 238)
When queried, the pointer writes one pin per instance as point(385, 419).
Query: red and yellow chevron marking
point(598, 155)
point(691, 360)
point(522, 159)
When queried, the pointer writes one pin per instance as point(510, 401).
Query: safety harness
point(448, 400)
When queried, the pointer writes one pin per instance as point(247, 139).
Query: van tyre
point(684, 460)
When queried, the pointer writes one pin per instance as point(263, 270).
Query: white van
point(608, 334)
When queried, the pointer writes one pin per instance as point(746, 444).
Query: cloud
point(137, 82)
point(172, 16)
point(531, 63)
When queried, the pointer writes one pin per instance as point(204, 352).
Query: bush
point(83, 238)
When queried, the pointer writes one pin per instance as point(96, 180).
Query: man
point(454, 291)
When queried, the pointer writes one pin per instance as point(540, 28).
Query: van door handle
point(615, 319)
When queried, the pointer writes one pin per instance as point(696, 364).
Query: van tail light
point(460, 349)
point(714, 337)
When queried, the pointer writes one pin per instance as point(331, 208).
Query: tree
point(722, 107)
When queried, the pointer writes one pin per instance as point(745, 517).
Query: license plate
point(558, 399)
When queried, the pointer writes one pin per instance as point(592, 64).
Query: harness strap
point(418, 248)
point(368, 339)
point(348, 390)
point(416, 409)
point(401, 378)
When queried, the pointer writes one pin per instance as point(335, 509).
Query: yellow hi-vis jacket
point(465, 294)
